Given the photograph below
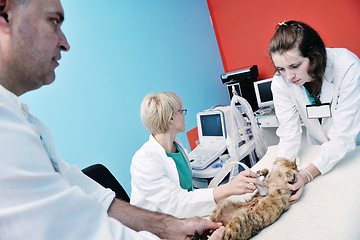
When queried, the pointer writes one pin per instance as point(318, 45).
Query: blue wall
point(120, 51)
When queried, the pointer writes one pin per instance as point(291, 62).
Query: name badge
point(318, 111)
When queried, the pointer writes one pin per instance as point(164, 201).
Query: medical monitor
point(211, 127)
point(263, 93)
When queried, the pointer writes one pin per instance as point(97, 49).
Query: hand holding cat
point(196, 224)
point(297, 187)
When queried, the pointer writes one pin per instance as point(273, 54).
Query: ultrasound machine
point(214, 127)
point(205, 158)
point(212, 138)
point(219, 128)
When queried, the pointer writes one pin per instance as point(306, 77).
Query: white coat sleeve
point(154, 189)
point(76, 177)
point(346, 118)
point(36, 201)
point(289, 130)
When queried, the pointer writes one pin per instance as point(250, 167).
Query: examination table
point(329, 207)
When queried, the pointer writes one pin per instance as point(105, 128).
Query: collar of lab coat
point(328, 87)
point(158, 145)
point(160, 148)
point(11, 97)
point(39, 128)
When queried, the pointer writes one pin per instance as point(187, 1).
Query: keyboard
point(201, 157)
point(265, 111)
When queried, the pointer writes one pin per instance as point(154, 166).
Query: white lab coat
point(337, 134)
point(155, 184)
point(42, 197)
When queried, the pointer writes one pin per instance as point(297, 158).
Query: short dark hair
point(294, 34)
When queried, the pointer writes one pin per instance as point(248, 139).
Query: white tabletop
point(329, 207)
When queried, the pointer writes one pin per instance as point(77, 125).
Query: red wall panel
point(244, 28)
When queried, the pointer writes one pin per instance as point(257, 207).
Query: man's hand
point(162, 225)
point(218, 234)
point(189, 226)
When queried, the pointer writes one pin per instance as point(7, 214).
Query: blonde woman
point(160, 169)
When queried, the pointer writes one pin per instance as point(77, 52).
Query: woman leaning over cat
point(161, 177)
point(318, 87)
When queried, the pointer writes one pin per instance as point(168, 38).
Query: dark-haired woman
point(318, 87)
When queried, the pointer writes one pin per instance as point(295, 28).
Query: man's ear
point(4, 17)
point(4, 6)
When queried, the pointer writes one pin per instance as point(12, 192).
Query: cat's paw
point(198, 236)
point(291, 177)
point(263, 172)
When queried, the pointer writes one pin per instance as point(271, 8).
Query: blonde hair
point(157, 109)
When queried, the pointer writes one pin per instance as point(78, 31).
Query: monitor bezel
point(211, 140)
point(257, 93)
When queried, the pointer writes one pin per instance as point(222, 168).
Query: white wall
point(122, 50)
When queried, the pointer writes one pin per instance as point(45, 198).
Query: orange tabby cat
point(244, 220)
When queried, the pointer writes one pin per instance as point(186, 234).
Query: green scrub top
point(311, 99)
point(183, 169)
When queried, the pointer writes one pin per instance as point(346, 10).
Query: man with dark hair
point(41, 196)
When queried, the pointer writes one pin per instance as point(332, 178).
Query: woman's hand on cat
point(297, 188)
point(243, 183)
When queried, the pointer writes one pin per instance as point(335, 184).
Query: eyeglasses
point(183, 111)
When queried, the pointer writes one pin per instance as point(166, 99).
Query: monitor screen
point(263, 93)
point(211, 125)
